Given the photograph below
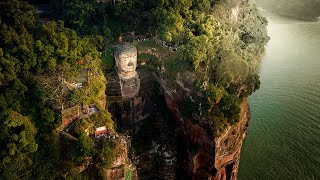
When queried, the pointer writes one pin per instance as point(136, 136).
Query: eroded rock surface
point(188, 149)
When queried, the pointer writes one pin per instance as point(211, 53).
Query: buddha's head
point(126, 58)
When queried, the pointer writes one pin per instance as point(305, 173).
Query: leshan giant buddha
point(126, 62)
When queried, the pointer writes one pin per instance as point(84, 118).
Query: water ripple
point(283, 140)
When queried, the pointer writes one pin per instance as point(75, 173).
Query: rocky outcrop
point(192, 150)
point(122, 167)
point(200, 154)
point(155, 150)
point(228, 146)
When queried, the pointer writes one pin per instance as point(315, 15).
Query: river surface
point(283, 141)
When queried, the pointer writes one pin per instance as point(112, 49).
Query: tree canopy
point(41, 64)
point(37, 62)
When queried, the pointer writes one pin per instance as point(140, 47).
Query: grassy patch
point(107, 59)
point(149, 59)
point(174, 64)
point(129, 175)
point(150, 62)
point(220, 124)
point(147, 43)
point(165, 52)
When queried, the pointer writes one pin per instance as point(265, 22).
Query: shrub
point(107, 59)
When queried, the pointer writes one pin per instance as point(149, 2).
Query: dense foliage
point(36, 62)
point(220, 42)
point(223, 43)
point(109, 19)
point(113, 18)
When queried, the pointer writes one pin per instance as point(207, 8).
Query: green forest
point(39, 60)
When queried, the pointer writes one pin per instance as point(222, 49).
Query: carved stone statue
point(131, 93)
point(126, 61)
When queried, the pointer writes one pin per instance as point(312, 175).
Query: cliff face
point(200, 154)
point(122, 167)
point(190, 149)
point(228, 146)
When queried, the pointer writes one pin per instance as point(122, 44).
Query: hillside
point(62, 110)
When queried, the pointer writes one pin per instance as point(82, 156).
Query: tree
point(66, 55)
point(36, 62)
point(202, 47)
point(230, 108)
point(85, 144)
point(18, 139)
point(106, 153)
point(171, 26)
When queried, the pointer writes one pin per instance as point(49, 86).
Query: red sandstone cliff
point(200, 154)
point(228, 146)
